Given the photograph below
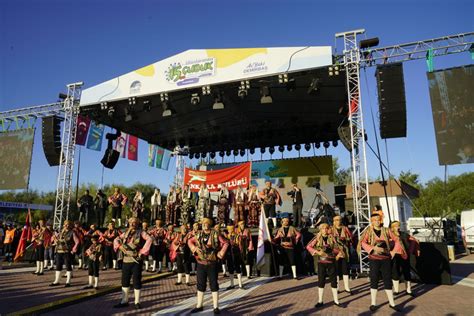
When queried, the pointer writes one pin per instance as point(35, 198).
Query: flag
point(151, 155)
point(26, 236)
point(83, 124)
point(132, 147)
point(96, 134)
point(163, 157)
point(121, 144)
point(263, 235)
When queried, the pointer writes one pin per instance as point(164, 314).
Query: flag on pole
point(96, 134)
point(151, 155)
point(83, 124)
point(263, 234)
point(26, 236)
point(163, 157)
point(132, 148)
point(121, 144)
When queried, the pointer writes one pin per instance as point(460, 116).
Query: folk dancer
point(168, 241)
point(287, 237)
point(158, 248)
point(100, 203)
point(110, 255)
point(240, 206)
point(297, 201)
point(179, 252)
point(187, 205)
point(223, 206)
point(344, 236)
point(49, 248)
point(117, 201)
point(196, 228)
point(401, 262)
point(138, 206)
point(376, 241)
point(329, 251)
point(176, 215)
point(66, 244)
point(94, 254)
point(271, 198)
point(246, 246)
point(87, 242)
point(134, 244)
point(80, 232)
point(254, 206)
point(233, 256)
point(204, 204)
point(85, 205)
point(207, 246)
point(156, 211)
point(40, 236)
point(170, 205)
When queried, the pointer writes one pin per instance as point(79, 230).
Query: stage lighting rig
point(228, 153)
point(298, 147)
point(168, 110)
point(206, 90)
point(334, 70)
point(317, 145)
point(272, 150)
point(218, 104)
point(369, 42)
point(213, 155)
point(326, 144)
point(252, 151)
point(314, 87)
point(111, 112)
point(262, 150)
point(195, 99)
point(147, 105)
point(243, 89)
point(62, 96)
point(242, 152)
point(307, 147)
point(281, 148)
point(334, 143)
point(103, 106)
point(289, 147)
point(282, 78)
point(222, 154)
point(266, 96)
point(235, 152)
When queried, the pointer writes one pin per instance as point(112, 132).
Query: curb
point(47, 307)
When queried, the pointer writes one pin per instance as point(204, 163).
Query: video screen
point(16, 148)
point(452, 103)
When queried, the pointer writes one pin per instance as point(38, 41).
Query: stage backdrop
point(306, 172)
point(16, 149)
point(452, 103)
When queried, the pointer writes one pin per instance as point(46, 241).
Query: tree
point(341, 176)
point(410, 178)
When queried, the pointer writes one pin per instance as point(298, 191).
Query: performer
point(401, 262)
point(156, 211)
point(67, 244)
point(287, 237)
point(158, 246)
point(137, 205)
point(240, 205)
point(297, 199)
point(328, 250)
point(100, 203)
point(254, 205)
point(94, 253)
point(8, 243)
point(233, 256)
point(168, 241)
point(207, 246)
point(146, 259)
point(223, 206)
point(176, 214)
point(187, 205)
point(170, 205)
point(40, 236)
point(344, 237)
point(271, 198)
point(85, 204)
point(134, 244)
point(204, 203)
point(79, 232)
point(246, 246)
point(48, 248)
point(191, 234)
point(110, 256)
point(118, 201)
point(87, 242)
point(181, 254)
point(376, 242)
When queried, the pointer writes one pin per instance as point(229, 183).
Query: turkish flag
point(26, 236)
point(83, 124)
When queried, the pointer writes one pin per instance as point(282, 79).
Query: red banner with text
point(232, 177)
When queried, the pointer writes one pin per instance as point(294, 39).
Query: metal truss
point(66, 160)
point(360, 182)
point(26, 117)
point(180, 152)
point(439, 46)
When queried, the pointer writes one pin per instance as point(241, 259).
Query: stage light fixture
point(317, 145)
point(218, 104)
point(195, 99)
point(307, 147)
point(147, 105)
point(243, 89)
point(252, 151)
point(191, 155)
point(282, 78)
point(369, 42)
point(235, 152)
point(203, 155)
point(291, 85)
point(228, 153)
point(111, 112)
point(221, 154)
point(272, 150)
point(334, 71)
point(298, 147)
point(334, 143)
point(326, 144)
point(128, 114)
point(206, 90)
point(164, 97)
point(242, 152)
point(314, 86)
point(168, 110)
point(62, 96)
point(262, 150)
point(281, 148)
point(289, 147)
point(103, 106)
point(266, 97)
point(213, 155)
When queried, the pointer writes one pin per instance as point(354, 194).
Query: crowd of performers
point(205, 250)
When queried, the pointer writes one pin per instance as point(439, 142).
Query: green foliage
point(341, 176)
point(411, 178)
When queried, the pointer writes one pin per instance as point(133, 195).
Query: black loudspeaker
point(110, 159)
point(345, 136)
point(432, 266)
point(51, 136)
point(392, 104)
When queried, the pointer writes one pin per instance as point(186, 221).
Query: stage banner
point(121, 144)
point(132, 148)
point(96, 134)
point(83, 124)
point(151, 155)
point(232, 177)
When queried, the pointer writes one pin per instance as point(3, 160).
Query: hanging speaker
point(110, 158)
point(344, 133)
point(51, 137)
point(392, 103)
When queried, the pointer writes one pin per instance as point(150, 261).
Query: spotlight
point(195, 99)
point(213, 155)
point(252, 151)
point(266, 97)
point(326, 144)
point(289, 147)
point(272, 150)
point(262, 150)
point(167, 109)
point(283, 78)
point(307, 147)
point(111, 112)
point(334, 71)
point(191, 155)
point(128, 114)
point(221, 154)
point(243, 89)
point(370, 42)
point(298, 147)
point(334, 143)
point(203, 155)
point(206, 90)
point(228, 153)
point(314, 86)
point(164, 97)
point(62, 96)
point(103, 106)
point(242, 152)
point(235, 152)
point(147, 105)
point(218, 104)
point(281, 149)
point(317, 145)
point(291, 85)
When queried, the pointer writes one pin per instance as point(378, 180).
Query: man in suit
point(297, 199)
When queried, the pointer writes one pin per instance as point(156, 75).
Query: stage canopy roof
point(226, 99)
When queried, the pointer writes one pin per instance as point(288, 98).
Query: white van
point(467, 224)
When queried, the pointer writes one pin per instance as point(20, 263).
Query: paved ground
point(262, 296)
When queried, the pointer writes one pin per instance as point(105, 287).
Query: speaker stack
point(51, 137)
point(392, 103)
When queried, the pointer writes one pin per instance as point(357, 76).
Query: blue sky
point(46, 44)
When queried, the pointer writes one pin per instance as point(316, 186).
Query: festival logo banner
point(232, 177)
point(96, 134)
point(132, 147)
point(191, 71)
point(121, 144)
point(83, 124)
